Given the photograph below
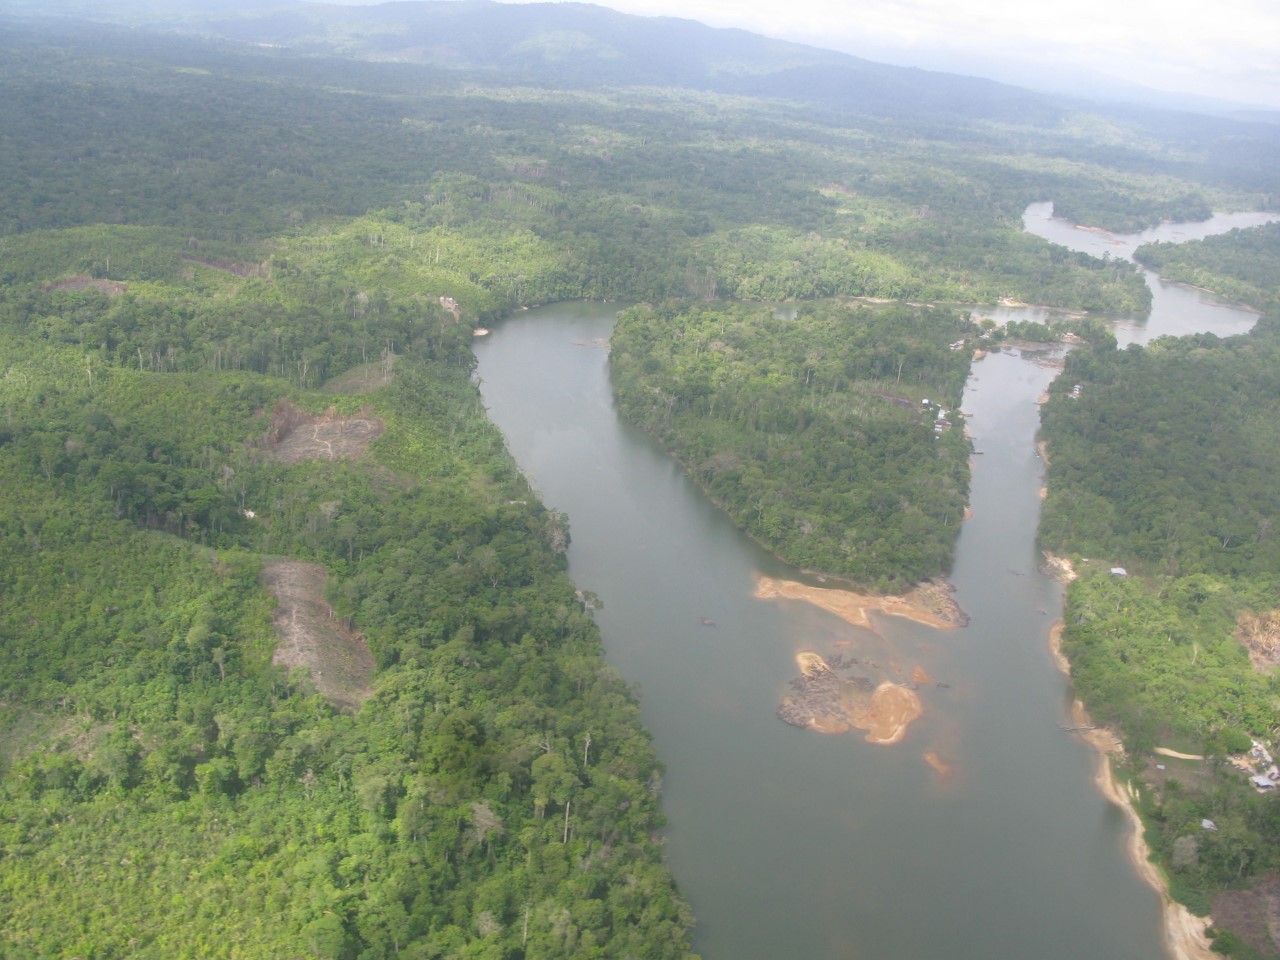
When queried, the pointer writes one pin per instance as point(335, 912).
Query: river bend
point(792, 844)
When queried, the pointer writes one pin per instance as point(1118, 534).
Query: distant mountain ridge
point(587, 47)
point(575, 44)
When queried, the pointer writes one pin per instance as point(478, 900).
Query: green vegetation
point(809, 430)
point(167, 792)
point(1168, 459)
point(205, 244)
point(1242, 265)
point(1166, 464)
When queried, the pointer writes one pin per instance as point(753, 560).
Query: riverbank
point(929, 603)
point(1184, 932)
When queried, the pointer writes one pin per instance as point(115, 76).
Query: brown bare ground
point(1260, 634)
point(112, 288)
point(338, 659)
point(1060, 568)
point(1252, 914)
point(296, 435)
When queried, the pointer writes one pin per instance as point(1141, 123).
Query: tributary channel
point(788, 843)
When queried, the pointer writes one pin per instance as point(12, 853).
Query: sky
point(1224, 49)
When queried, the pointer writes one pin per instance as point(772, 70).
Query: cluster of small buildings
point(1259, 758)
point(940, 421)
point(1075, 391)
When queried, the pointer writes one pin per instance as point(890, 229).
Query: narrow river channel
point(786, 842)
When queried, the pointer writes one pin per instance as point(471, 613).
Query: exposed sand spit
point(940, 766)
point(929, 603)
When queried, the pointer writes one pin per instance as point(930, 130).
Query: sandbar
point(811, 664)
point(826, 702)
point(890, 712)
point(940, 766)
point(1055, 648)
point(929, 603)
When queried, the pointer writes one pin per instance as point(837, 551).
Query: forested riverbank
point(1164, 464)
point(291, 663)
point(832, 437)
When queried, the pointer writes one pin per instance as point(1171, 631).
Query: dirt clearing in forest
point(311, 636)
point(112, 288)
point(296, 435)
point(1252, 913)
point(1260, 634)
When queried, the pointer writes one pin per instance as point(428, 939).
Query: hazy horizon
point(1225, 51)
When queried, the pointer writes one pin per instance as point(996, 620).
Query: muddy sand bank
point(929, 603)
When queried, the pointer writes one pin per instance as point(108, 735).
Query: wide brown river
point(788, 843)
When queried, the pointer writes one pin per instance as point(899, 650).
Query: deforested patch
point(310, 636)
point(296, 435)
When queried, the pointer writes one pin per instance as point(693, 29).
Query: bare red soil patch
point(337, 658)
point(296, 435)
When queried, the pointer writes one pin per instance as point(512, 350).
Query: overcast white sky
point(1219, 48)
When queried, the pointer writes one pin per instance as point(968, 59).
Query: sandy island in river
point(1184, 932)
point(829, 703)
point(929, 603)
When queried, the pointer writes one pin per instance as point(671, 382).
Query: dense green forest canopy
point(1243, 265)
point(169, 792)
point(808, 428)
point(1166, 464)
point(206, 245)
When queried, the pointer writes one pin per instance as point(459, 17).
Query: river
point(788, 843)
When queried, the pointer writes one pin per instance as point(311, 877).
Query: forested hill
point(585, 45)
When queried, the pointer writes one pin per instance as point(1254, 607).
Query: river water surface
point(792, 844)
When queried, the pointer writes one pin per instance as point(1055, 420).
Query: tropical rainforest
point(819, 433)
point(291, 666)
point(1166, 463)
